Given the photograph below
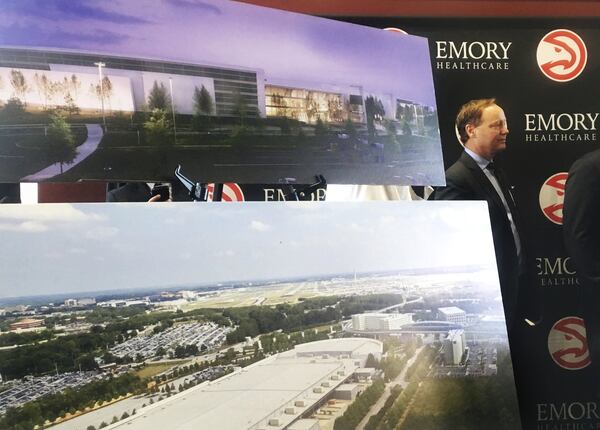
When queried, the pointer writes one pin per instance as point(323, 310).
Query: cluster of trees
point(60, 93)
point(359, 304)
point(12, 338)
point(12, 111)
point(392, 365)
point(158, 125)
point(391, 416)
point(57, 405)
point(375, 420)
point(420, 367)
point(360, 407)
point(182, 351)
point(255, 320)
point(180, 371)
point(467, 403)
point(66, 353)
point(279, 342)
point(110, 315)
point(374, 112)
point(71, 352)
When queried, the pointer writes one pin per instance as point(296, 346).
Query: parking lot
point(31, 388)
point(205, 336)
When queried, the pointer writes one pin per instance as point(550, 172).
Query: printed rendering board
point(233, 92)
point(306, 297)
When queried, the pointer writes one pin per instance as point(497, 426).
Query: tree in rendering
point(203, 108)
point(350, 128)
point(104, 91)
point(45, 88)
point(158, 127)
point(12, 111)
point(279, 104)
point(74, 84)
point(159, 98)
point(61, 142)
point(312, 107)
point(375, 112)
point(203, 102)
point(320, 128)
point(239, 107)
point(335, 109)
point(20, 87)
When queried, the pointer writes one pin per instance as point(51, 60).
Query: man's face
point(489, 137)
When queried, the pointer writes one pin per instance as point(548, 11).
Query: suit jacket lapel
point(481, 179)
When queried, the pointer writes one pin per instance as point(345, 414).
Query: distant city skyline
point(290, 46)
point(63, 249)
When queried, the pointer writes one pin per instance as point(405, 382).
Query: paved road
point(399, 380)
point(94, 133)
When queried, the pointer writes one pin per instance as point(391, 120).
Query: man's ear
point(470, 129)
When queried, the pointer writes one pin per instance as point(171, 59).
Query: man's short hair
point(470, 113)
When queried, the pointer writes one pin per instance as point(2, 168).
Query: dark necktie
point(503, 187)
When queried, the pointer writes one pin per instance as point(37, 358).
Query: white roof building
point(270, 394)
point(453, 314)
point(380, 321)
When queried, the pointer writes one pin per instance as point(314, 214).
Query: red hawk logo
point(561, 55)
point(567, 344)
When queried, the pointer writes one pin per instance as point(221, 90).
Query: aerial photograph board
point(305, 315)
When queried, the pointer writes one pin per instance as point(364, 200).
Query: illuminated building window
point(308, 106)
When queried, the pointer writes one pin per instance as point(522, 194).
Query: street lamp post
point(100, 65)
point(173, 108)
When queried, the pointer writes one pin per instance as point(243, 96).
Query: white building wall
point(183, 89)
point(141, 84)
point(454, 346)
point(358, 322)
point(396, 321)
point(260, 92)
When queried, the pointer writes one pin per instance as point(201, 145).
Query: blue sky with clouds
point(66, 248)
point(287, 46)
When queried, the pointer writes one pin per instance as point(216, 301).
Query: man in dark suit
point(581, 230)
point(482, 127)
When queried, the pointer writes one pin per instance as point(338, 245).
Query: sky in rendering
point(289, 47)
point(62, 248)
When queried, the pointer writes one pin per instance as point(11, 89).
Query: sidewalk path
point(94, 136)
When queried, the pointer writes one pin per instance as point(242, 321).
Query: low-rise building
point(347, 391)
point(27, 323)
point(274, 393)
point(453, 314)
point(380, 321)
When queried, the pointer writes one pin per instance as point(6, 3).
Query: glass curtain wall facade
point(309, 106)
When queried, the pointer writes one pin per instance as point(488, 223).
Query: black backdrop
point(557, 390)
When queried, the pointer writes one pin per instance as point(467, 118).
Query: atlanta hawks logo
point(231, 192)
point(552, 197)
point(395, 29)
point(561, 55)
point(567, 344)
